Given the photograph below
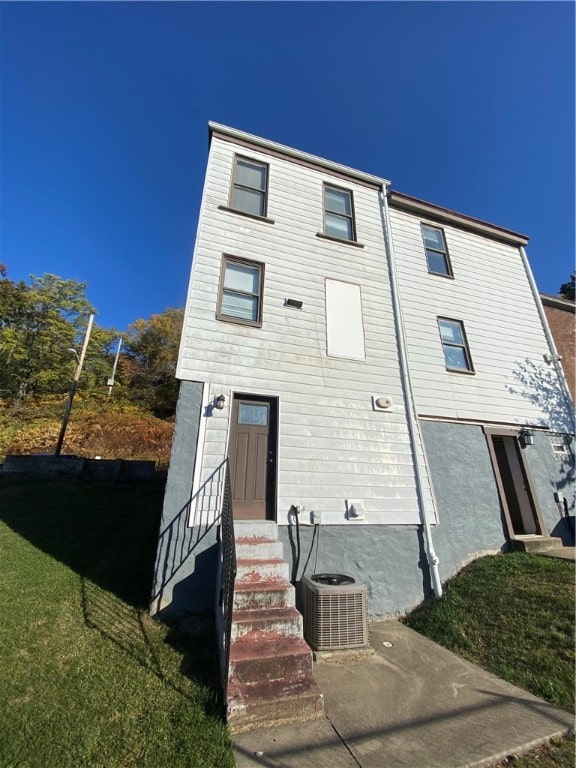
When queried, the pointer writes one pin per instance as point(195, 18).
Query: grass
point(87, 677)
point(557, 754)
point(513, 615)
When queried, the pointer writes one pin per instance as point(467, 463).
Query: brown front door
point(515, 486)
point(252, 454)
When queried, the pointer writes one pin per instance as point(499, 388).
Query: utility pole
point(73, 387)
point(110, 382)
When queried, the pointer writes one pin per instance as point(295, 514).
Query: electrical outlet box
point(316, 518)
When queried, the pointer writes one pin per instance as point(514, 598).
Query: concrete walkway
point(562, 553)
point(412, 704)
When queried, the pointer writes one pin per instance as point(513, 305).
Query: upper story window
point(240, 295)
point(339, 213)
point(436, 251)
point(249, 186)
point(455, 345)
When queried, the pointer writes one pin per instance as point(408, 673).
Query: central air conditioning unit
point(335, 612)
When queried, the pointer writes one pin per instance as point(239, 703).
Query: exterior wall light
point(219, 402)
point(381, 402)
point(550, 358)
point(526, 437)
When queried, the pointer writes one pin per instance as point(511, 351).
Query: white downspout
point(549, 338)
point(413, 426)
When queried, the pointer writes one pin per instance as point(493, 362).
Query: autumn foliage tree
point(41, 321)
point(149, 362)
point(42, 324)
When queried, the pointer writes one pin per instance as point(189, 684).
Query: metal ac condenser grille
point(335, 617)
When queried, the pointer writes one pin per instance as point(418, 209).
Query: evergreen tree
point(567, 290)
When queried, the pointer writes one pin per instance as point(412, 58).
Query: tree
point(149, 362)
point(40, 322)
point(568, 290)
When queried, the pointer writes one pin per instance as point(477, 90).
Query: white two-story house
point(375, 366)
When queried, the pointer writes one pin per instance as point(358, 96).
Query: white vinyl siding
point(491, 296)
point(332, 444)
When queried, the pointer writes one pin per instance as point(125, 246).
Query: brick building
point(560, 316)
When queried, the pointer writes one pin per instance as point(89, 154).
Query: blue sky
point(104, 113)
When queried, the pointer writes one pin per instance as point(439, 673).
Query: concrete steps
point(536, 543)
point(270, 677)
point(265, 594)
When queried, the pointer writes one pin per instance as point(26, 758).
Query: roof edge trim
point(558, 302)
point(216, 129)
point(447, 216)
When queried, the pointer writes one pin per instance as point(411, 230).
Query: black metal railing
point(228, 578)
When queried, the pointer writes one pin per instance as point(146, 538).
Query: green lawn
point(87, 678)
point(513, 615)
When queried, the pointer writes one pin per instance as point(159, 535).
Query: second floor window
point(249, 186)
point(240, 297)
point(436, 251)
point(455, 345)
point(338, 213)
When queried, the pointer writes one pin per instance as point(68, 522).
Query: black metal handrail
point(229, 569)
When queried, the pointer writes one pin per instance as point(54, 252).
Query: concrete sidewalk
point(412, 704)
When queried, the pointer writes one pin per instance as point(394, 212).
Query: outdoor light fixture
point(550, 358)
point(219, 402)
point(526, 437)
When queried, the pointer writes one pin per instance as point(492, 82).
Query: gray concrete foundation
point(186, 557)
point(390, 560)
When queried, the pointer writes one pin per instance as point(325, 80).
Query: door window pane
point(252, 413)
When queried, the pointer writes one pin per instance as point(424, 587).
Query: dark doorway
point(252, 454)
point(515, 486)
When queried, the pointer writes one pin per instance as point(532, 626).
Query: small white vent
point(335, 616)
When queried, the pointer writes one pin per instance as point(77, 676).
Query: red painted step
point(270, 678)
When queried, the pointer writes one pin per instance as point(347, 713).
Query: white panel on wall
point(344, 327)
